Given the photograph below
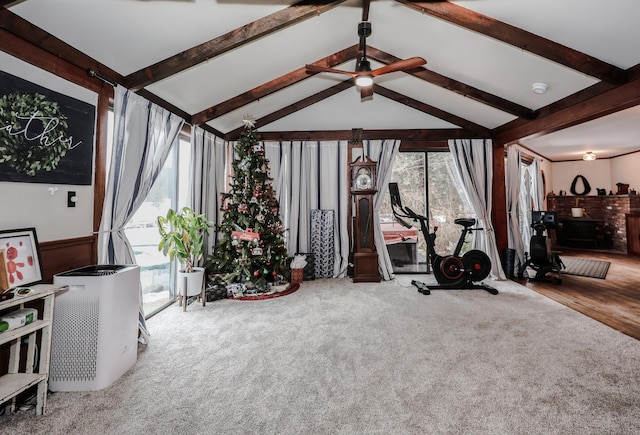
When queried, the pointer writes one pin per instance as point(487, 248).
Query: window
point(442, 201)
point(170, 190)
point(157, 273)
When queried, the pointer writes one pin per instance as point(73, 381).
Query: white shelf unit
point(16, 381)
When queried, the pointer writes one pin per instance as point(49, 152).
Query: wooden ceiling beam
point(606, 103)
point(23, 29)
point(292, 108)
point(430, 110)
point(456, 86)
point(242, 35)
point(418, 137)
point(271, 87)
point(520, 38)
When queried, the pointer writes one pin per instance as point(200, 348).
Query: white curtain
point(311, 176)
point(473, 159)
point(384, 153)
point(143, 136)
point(208, 180)
point(538, 190)
point(513, 180)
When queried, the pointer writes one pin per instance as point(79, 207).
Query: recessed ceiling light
point(539, 88)
point(588, 156)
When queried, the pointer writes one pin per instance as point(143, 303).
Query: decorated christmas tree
point(251, 244)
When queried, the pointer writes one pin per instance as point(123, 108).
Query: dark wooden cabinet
point(584, 232)
point(633, 234)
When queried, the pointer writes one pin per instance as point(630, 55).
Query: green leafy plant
point(182, 236)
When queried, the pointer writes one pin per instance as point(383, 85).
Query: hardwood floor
point(614, 301)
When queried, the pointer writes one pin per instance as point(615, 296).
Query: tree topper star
point(249, 121)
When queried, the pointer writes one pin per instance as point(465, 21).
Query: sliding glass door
point(428, 188)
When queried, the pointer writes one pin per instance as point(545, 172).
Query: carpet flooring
point(370, 358)
point(585, 267)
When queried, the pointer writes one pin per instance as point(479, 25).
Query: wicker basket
point(297, 276)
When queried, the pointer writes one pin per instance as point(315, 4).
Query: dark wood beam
point(23, 29)
point(164, 104)
point(242, 35)
point(456, 86)
point(408, 136)
point(300, 104)
point(614, 100)
point(430, 110)
point(522, 39)
point(271, 87)
point(408, 146)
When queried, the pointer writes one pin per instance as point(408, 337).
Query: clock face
point(363, 179)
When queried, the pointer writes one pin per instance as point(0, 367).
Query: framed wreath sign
point(45, 136)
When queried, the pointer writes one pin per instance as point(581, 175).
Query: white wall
point(597, 173)
point(600, 173)
point(31, 204)
point(626, 169)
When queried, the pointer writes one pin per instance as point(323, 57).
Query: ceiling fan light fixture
point(588, 156)
point(364, 80)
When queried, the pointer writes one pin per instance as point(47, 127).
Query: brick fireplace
point(610, 212)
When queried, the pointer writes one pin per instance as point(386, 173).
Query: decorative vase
point(194, 281)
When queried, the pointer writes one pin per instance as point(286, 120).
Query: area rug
point(585, 267)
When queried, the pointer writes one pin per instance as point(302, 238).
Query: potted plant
point(182, 236)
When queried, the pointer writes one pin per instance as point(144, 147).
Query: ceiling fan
point(363, 74)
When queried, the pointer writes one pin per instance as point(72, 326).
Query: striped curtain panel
point(143, 136)
point(311, 176)
point(208, 180)
point(513, 181)
point(384, 153)
point(473, 161)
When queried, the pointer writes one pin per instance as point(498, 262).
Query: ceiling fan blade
point(365, 9)
point(401, 65)
point(366, 92)
point(317, 69)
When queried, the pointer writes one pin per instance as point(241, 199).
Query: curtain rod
point(92, 73)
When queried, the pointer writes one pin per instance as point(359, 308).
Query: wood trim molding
point(61, 255)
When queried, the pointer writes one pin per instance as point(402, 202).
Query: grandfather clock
point(363, 187)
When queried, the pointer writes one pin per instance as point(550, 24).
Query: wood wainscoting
point(62, 255)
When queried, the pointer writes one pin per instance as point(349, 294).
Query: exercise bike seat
point(465, 222)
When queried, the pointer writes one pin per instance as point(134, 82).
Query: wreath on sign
point(585, 184)
point(32, 130)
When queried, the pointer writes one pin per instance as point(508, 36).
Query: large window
point(428, 188)
point(157, 273)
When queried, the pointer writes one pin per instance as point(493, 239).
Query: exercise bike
point(453, 272)
point(546, 263)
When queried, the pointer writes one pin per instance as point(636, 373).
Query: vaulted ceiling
point(213, 62)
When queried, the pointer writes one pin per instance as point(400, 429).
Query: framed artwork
point(20, 255)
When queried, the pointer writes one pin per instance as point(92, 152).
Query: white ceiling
point(128, 35)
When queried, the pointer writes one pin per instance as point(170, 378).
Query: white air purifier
point(95, 327)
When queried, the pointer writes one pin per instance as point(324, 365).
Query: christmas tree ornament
point(249, 121)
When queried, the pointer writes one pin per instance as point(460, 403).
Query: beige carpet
point(343, 358)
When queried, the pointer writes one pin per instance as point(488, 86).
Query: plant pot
point(194, 279)
point(577, 212)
